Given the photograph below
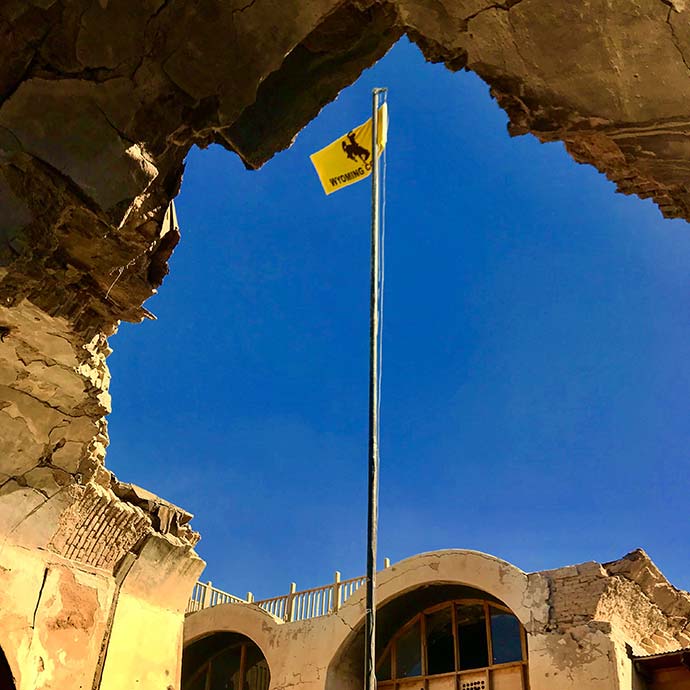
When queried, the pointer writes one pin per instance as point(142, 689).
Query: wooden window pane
point(225, 670)
point(474, 648)
point(440, 644)
point(197, 683)
point(408, 653)
point(383, 672)
point(257, 675)
point(505, 637)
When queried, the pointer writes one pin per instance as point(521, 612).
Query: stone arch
point(244, 619)
point(224, 659)
point(524, 594)
point(421, 581)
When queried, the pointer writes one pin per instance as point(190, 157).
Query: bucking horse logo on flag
point(355, 151)
point(349, 159)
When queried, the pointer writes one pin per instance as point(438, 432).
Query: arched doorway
point(6, 677)
point(224, 661)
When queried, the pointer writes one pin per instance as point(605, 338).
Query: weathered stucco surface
point(100, 102)
point(65, 624)
point(600, 614)
point(582, 622)
point(316, 654)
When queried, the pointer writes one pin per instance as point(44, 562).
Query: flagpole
point(373, 487)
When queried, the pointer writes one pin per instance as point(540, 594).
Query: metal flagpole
point(372, 521)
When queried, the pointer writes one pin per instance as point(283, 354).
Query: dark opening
point(6, 677)
point(224, 661)
point(438, 630)
point(409, 653)
point(440, 645)
point(384, 670)
point(474, 651)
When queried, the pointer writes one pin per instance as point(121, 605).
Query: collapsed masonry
point(99, 105)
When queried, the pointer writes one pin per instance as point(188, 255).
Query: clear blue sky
point(536, 353)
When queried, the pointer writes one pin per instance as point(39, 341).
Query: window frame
point(205, 668)
point(420, 619)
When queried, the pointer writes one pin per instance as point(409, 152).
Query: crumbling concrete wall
point(576, 649)
point(652, 613)
point(71, 536)
point(600, 615)
point(65, 625)
point(53, 617)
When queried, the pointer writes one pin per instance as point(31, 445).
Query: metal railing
point(293, 606)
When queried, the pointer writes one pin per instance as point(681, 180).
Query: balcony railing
point(293, 606)
point(205, 595)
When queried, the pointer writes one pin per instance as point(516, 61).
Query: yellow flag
point(348, 159)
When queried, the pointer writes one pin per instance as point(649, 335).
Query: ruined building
point(100, 102)
point(452, 620)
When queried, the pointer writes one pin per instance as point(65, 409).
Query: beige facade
point(582, 625)
point(66, 625)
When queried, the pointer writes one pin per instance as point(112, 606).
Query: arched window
point(467, 644)
point(224, 661)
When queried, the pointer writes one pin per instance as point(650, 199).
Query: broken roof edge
point(660, 655)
